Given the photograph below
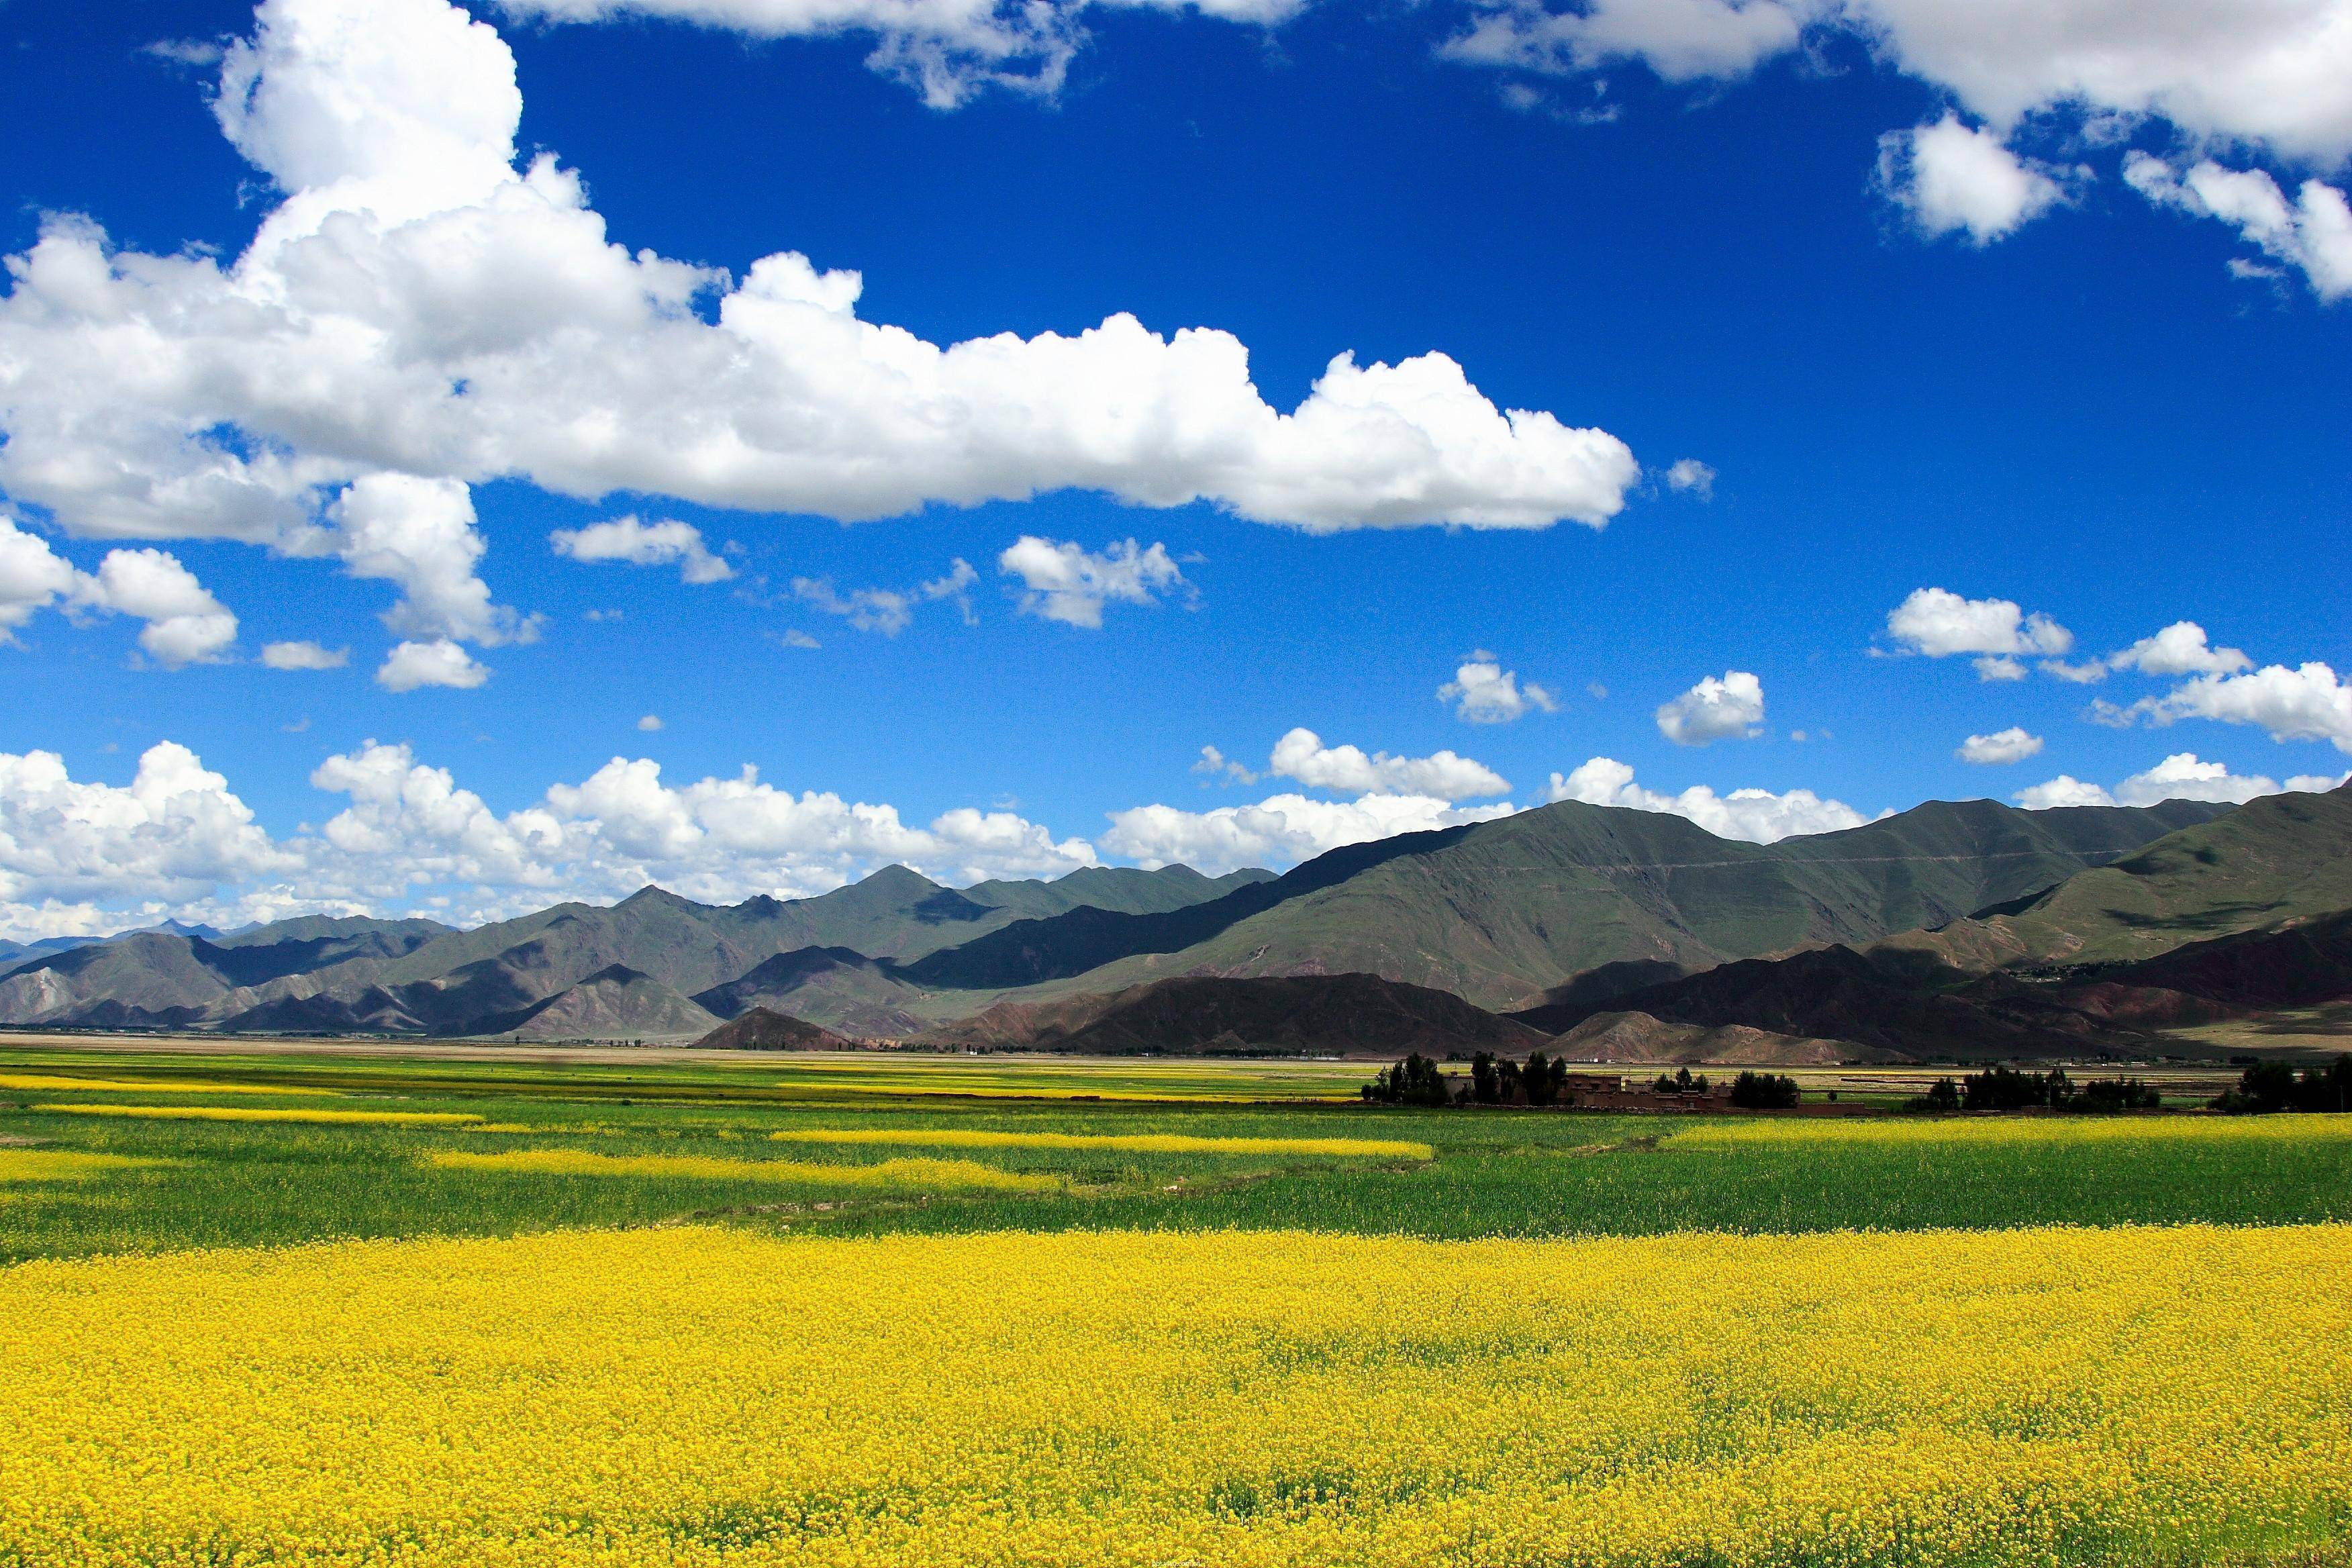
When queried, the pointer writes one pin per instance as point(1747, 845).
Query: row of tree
point(1541, 1081)
point(2006, 1088)
point(2274, 1086)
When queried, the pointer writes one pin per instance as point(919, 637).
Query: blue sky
point(2071, 401)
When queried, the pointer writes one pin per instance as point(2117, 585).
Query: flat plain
point(661, 1308)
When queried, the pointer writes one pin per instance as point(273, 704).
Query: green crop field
point(263, 1148)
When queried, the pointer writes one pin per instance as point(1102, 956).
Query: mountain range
point(1965, 929)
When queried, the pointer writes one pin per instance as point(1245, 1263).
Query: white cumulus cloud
point(1757, 815)
point(420, 314)
point(2312, 232)
point(640, 543)
point(304, 655)
point(174, 835)
point(1280, 830)
point(2180, 649)
point(1938, 623)
point(420, 534)
point(1067, 582)
point(85, 857)
point(440, 662)
point(1715, 709)
point(2308, 702)
point(1483, 692)
point(1951, 177)
point(186, 625)
point(32, 576)
point(1444, 775)
point(1999, 748)
point(2181, 776)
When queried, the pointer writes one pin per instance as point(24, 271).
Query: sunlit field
point(707, 1396)
point(677, 1311)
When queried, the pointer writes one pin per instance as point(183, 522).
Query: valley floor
point(447, 1307)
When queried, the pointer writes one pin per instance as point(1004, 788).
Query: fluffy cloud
point(1693, 477)
point(418, 314)
point(887, 610)
point(1999, 748)
point(1067, 584)
point(186, 625)
point(420, 534)
point(1715, 710)
point(2181, 776)
point(650, 723)
point(89, 857)
point(2063, 790)
point(1951, 177)
point(2312, 232)
point(1483, 692)
point(304, 655)
point(2254, 72)
point(1280, 830)
point(32, 576)
point(1938, 623)
point(2250, 72)
point(644, 545)
point(1444, 775)
point(1681, 40)
point(2180, 649)
point(1757, 815)
point(2305, 703)
point(410, 827)
point(437, 663)
point(174, 834)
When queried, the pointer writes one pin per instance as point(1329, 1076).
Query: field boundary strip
point(271, 1113)
point(1129, 1143)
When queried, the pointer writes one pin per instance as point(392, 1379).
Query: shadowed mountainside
point(762, 1030)
point(1318, 1014)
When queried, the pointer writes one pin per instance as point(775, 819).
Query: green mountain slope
point(2270, 860)
point(1504, 911)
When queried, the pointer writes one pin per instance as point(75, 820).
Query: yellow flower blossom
point(715, 1398)
point(53, 1083)
point(66, 1164)
point(1133, 1143)
point(932, 1173)
point(257, 1113)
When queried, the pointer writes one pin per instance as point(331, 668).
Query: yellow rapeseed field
point(53, 1083)
point(1134, 1142)
point(1992, 1129)
point(256, 1113)
point(66, 1164)
point(935, 1174)
point(703, 1397)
